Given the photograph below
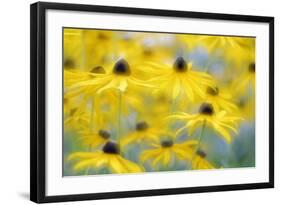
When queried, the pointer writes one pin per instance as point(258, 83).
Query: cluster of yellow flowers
point(137, 102)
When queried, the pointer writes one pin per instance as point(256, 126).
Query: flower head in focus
point(181, 79)
point(119, 78)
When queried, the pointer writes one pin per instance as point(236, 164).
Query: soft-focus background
point(14, 172)
point(226, 59)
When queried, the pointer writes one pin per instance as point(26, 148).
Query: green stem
point(92, 119)
point(91, 127)
point(199, 142)
point(173, 108)
point(119, 116)
point(88, 168)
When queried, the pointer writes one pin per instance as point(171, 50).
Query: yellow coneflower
point(247, 80)
point(95, 139)
point(221, 122)
point(246, 107)
point(75, 76)
point(181, 78)
point(68, 105)
point(199, 161)
point(77, 119)
point(72, 49)
point(190, 41)
point(162, 153)
point(144, 132)
point(109, 158)
point(232, 48)
point(114, 78)
point(120, 78)
point(213, 42)
point(131, 101)
point(220, 100)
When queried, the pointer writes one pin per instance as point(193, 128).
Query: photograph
point(142, 101)
point(134, 102)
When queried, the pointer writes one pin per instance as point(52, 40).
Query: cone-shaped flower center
point(213, 91)
point(241, 103)
point(206, 109)
point(98, 69)
point(167, 143)
point(141, 126)
point(147, 52)
point(180, 65)
point(104, 134)
point(122, 67)
point(201, 153)
point(252, 68)
point(69, 63)
point(103, 36)
point(73, 111)
point(111, 148)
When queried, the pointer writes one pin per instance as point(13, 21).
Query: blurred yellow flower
point(247, 108)
point(221, 122)
point(109, 158)
point(75, 76)
point(190, 41)
point(164, 152)
point(200, 162)
point(68, 105)
point(225, 42)
point(220, 100)
point(95, 139)
point(144, 132)
point(72, 48)
point(130, 100)
point(246, 81)
point(233, 48)
point(77, 120)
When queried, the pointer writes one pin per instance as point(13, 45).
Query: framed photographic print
point(129, 102)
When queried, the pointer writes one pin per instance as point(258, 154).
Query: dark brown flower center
point(141, 126)
point(98, 69)
point(213, 91)
point(241, 103)
point(104, 134)
point(252, 68)
point(147, 52)
point(201, 153)
point(167, 143)
point(111, 148)
point(103, 36)
point(180, 65)
point(122, 67)
point(73, 111)
point(206, 109)
point(69, 63)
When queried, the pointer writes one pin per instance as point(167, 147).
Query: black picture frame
point(38, 100)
